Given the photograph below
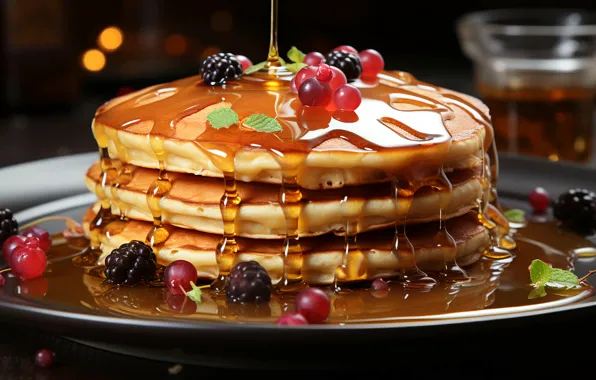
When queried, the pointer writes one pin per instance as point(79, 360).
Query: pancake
point(401, 124)
point(322, 255)
point(194, 203)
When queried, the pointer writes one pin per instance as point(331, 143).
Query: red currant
point(539, 200)
point(10, 245)
point(372, 62)
point(304, 74)
point(180, 273)
point(324, 73)
point(45, 242)
point(244, 61)
point(347, 48)
point(347, 97)
point(379, 284)
point(338, 79)
point(293, 86)
point(291, 319)
point(313, 304)
point(29, 260)
point(44, 358)
point(314, 93)
point(314, 58)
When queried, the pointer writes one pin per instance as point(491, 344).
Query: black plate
point(252, 345)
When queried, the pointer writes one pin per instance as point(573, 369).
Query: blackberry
point(576, 209)
point(8, 225)
point(131, 263)
point(218, 68)
point(347, 62)
point(248, 282)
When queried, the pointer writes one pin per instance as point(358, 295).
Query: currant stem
point(584, 278)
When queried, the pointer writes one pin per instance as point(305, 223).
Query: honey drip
point(354, 264)
point(125, 173)
point(290, 199)
point(227, 247)
point(222, 156)
point(410, 274)
point(451, 271)
point(155, 194)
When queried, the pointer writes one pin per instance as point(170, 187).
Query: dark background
point(47, 98)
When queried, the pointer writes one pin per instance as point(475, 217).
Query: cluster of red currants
point(323, 85)
point(26, 252)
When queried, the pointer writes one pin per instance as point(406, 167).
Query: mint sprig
point(262, 123)
point(515, 215)
point(195, 293)
point(222, 117)
point(544, 277)
point(295, 56)
point(226, 117)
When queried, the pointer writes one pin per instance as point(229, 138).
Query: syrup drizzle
point(410, 275)
point(156, 192)
point(354, 265)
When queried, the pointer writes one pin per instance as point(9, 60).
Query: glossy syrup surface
point(495, 287)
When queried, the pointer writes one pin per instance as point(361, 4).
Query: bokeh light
point(210, 50)
point(110, 38)
point(221, 21)
point(93, 60)
point(176, 45)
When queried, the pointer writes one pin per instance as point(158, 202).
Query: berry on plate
point(44, 358)
point(347, 97)
point(178, 276)
point(248, 282)
point(45, 241)
point(372, 63)
point(28, 260)
point(130, 264)
point(12, 243)
point(347, 62)
point(244, 61)
point(221, 67)
point(314, 93)
point(539, 200)
point(8, 225)
point(576, 209)
point(313, 304)
point(314, 58)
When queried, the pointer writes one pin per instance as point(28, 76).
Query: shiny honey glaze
point(380, 124)
point(494, 287)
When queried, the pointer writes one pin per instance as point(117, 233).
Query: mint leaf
point(195, 293)
point(515, 215)
point(296, 55)
point(560, 278)
point(537, 292)
point(262, 123)
point(222, 117)
point(295, 67)
point(254, 68)
point(540, 272)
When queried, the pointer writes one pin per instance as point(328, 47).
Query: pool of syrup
point(495, 287)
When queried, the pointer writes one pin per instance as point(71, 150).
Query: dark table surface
point(28, 136)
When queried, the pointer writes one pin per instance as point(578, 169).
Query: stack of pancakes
point(392, 187)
